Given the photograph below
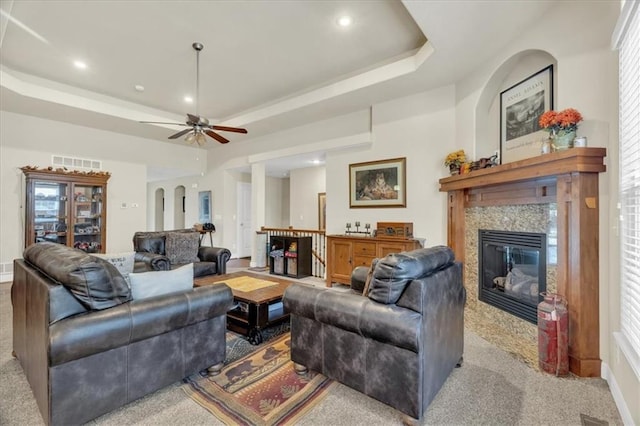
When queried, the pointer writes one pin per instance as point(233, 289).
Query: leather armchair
point(86, 348)
point(151, 254)
point(399, 342)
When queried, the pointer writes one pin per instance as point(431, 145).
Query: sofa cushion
point(122, 261)
point(96, 283)
point(156, 283)
point(182, 247)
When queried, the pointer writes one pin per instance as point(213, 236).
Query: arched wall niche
point(159, 210)
point(179, 207)
point(487, 113)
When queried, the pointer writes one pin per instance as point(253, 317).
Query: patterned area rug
point(258, 388)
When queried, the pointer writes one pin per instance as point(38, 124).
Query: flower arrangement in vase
point(455, 160)
point(561, 126)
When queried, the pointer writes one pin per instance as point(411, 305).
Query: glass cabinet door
point(87, 217)
point(50, 212)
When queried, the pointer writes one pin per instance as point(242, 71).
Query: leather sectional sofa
point(165, 250)
point(398, 342)
point(86, 348)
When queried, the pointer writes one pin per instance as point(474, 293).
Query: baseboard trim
point(607, 374)
point(7, 276)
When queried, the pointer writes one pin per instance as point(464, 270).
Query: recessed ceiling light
point(345, 21)
point(188, 99)
point(139, 87)
point(81, 65)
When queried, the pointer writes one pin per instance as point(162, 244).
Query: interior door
point(245, 230)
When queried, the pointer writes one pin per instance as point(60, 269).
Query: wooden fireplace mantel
point(570, 179)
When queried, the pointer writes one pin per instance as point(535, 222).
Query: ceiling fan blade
point(180, 133)
point(161, 122)
point(229, 129)
point(216, 136)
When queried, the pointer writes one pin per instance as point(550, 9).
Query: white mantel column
point(258, 200)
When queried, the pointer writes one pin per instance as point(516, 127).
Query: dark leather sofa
point(151, 254)
point(86, 348)
point(399, 343)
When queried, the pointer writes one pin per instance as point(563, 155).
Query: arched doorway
point(178, 207)
point(159, 210)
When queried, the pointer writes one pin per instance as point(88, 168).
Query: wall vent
point(74, 163)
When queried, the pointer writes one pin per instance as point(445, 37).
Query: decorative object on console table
point(521, 105)
point(394, 230)
point(378, 183)
point(562, 126)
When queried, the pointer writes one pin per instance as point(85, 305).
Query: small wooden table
point(254, 309)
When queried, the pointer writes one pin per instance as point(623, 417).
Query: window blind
point(629, 154)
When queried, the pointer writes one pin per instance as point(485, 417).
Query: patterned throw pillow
point(182, 247)
point(123, 262)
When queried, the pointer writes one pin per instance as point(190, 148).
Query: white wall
point(305, 184)
point(277, 202)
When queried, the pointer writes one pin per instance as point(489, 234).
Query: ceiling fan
point(199, 126)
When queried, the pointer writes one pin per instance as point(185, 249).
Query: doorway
point(244, 219)
point(159, 210)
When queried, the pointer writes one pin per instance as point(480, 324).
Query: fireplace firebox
point(512, 271)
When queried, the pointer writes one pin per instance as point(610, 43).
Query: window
point(628, 43)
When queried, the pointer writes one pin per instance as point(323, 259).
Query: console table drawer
point(364, 249)
point(362, 261)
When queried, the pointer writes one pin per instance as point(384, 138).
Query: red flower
point(563, 121)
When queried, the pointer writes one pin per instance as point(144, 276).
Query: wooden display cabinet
point(345, 253)
point(67, 208)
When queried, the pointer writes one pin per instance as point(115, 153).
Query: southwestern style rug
point(258, 388)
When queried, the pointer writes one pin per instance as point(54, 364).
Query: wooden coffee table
point(255, 309)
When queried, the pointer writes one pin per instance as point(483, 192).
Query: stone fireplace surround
point(507, 197)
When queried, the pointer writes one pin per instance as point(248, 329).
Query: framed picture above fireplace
point(521, 106)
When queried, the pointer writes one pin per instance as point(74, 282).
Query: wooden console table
point(345, 252)
point(570, 179)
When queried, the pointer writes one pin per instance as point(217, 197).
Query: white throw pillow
point(122, 261)
point(156, 283)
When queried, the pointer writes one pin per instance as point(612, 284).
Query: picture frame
point(322, 211)
point(521, 106)
point(204, 206)
point(380, 183)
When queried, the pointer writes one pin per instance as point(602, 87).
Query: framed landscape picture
point(378, 183)
point(521, 106)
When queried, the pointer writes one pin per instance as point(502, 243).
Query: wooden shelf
point(581, 160)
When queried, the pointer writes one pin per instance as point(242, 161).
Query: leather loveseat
point(86, 348)
point(165, 250)
point(399, 342)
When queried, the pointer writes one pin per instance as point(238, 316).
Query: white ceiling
point(266, 64)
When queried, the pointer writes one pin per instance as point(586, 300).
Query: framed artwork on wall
point(521, 105)
point(322, 211)
point(378, 183)
point(204, 207)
